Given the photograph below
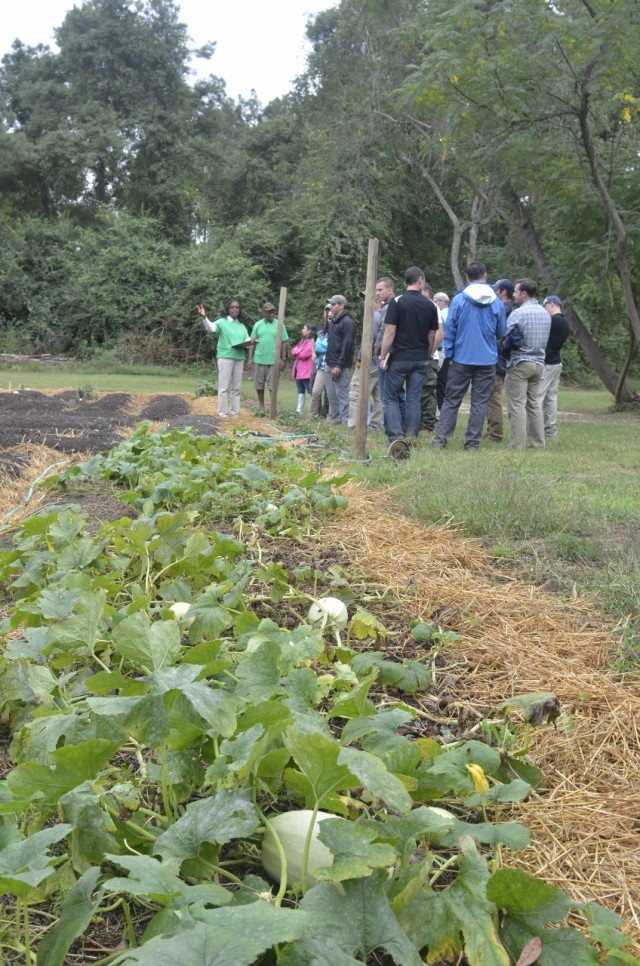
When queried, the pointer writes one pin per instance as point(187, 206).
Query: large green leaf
point(447, 771)
point(259, 672)
point(152, 879)
point(216, 820)
point(93, 827)
point(374, 775)
point(25, 864)
point(78, 908)
point(359, 920)
point(317, 759)
point(144, 718)
point(457, 919)
point(356, 853)
point(512, 834)
point(224, 937)
point(147, 644)
point(85, 626)
point(531, 905)
point(72, 765)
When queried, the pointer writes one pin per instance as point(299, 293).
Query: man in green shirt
point(262, 356)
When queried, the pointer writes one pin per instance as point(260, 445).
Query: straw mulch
point(36, 462)
point(517, 639)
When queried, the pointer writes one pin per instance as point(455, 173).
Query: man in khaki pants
point(525, 366)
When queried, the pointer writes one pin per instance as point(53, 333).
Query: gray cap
point(340, 299)
point(442, 296)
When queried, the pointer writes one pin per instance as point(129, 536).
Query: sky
point(259, 45)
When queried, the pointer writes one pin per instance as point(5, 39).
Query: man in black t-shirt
point(407, 347)
point(550, 381)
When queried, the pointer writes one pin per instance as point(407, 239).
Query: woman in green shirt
point(233, 339)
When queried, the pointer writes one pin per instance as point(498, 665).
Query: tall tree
point(538, 106)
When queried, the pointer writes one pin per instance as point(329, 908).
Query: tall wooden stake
point(275, 376)
point(367, 350)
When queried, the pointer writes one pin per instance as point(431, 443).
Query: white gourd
point(328, 612)
point(292, 829)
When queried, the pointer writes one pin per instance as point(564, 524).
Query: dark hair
point(413, 275)
point(385, 280)
point(313, 330)
point(475, 270)
point(227, 305)
point(527, 285)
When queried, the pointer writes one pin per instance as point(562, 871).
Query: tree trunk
point(625, 368)
point(611, 209)
point(603, 369)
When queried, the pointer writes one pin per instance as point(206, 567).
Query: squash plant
point(222, 777)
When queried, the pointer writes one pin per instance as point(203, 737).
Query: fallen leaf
point(531, 952)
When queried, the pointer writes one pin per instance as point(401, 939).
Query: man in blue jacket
point(475, 322)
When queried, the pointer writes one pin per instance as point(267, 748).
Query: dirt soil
point(72, 423)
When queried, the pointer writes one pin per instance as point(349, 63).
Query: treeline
point(507, 132)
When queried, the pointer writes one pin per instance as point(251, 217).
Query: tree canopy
point(483, 129)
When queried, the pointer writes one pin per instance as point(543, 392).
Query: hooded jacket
point(475, 322)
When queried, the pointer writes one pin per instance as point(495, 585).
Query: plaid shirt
point(535, 323)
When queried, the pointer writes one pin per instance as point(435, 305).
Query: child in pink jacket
point(303, 361)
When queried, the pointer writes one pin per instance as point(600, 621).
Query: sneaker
point(399, 450)
point(437, 443)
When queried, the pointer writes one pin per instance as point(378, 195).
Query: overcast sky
point(259, 45)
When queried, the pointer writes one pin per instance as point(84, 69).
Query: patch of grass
point(132, 378)
point(567, 546)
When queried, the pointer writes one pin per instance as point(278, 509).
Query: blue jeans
point(382, 375)
point(482, 379)
point(303, 385)
point(408, 375)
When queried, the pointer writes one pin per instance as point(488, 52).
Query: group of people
point(426, 353)
point(500, 336)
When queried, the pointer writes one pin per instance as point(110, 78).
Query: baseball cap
point(505, 283)
point(339, 299)
point(268, 307)
point(442, 296)
point(552, 298)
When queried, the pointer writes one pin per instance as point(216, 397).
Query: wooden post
point(275, 375)
point(367, 350)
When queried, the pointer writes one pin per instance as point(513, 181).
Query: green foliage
point(165, 744)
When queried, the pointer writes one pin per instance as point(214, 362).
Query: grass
point(127, 379)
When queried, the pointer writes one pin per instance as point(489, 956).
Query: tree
point(537, 104)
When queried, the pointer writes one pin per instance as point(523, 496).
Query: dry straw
point(517, 639)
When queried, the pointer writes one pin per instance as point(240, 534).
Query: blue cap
point(552, 298)
point(505, 283)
